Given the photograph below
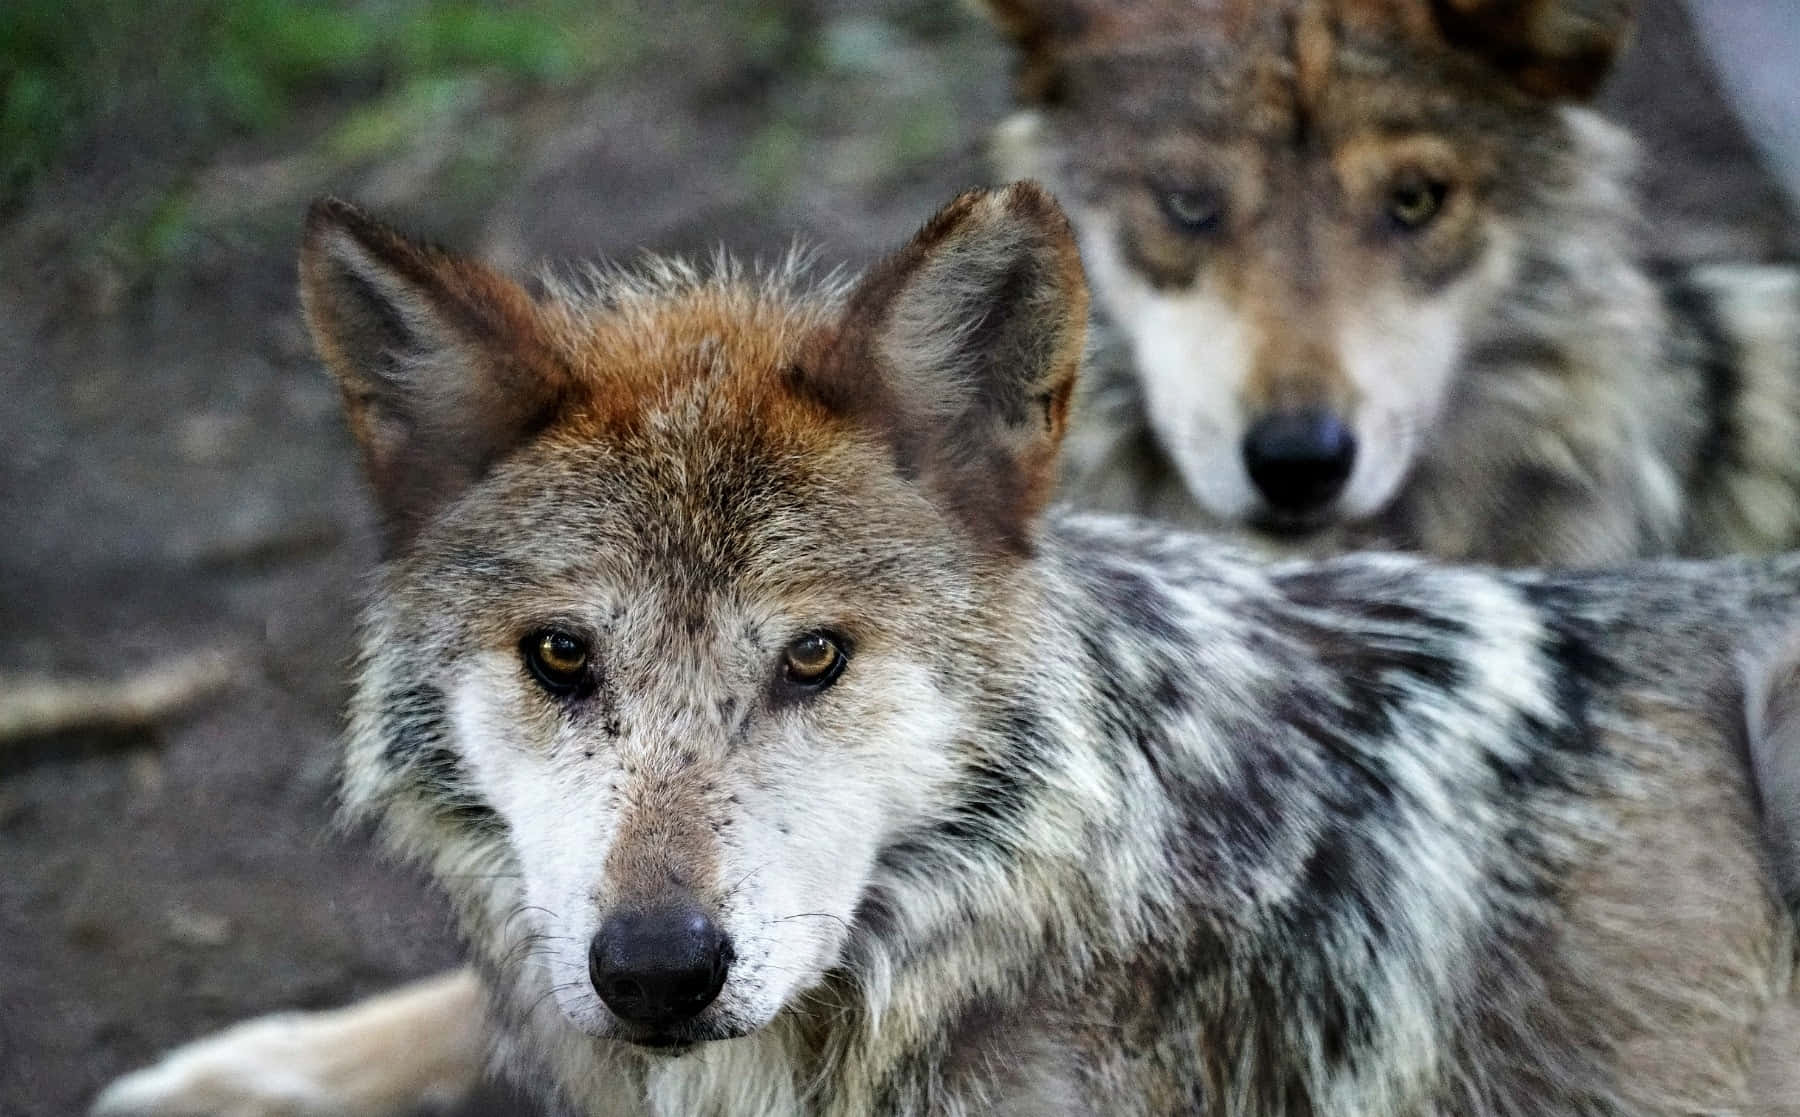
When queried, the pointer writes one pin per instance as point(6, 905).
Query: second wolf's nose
point(1299, 460)
point(658, 967)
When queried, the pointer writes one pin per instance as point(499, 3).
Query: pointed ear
point(1041, 30)
point(442, 362)
point(1556, 49)
point(962, 349)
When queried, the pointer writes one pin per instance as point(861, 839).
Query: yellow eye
point(557, 659)
point(1413, 205)
point(814, 660)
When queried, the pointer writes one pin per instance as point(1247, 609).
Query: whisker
point(732, 891)
point(551, 992)
point(840, 920)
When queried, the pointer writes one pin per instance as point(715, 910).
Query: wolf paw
point(418, 1048)
point(274, 1067)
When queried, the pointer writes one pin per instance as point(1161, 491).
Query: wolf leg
point(421, 1046)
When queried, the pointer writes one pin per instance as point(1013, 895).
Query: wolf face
point(1303, 215)
point(694, 755)
point(680, 616)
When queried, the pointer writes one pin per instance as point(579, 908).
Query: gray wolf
point(782, 755)
point(1371, 275)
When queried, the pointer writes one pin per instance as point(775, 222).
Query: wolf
point(1371, 274)
point(781, 753)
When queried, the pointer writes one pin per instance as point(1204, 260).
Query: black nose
point(1299, 460)
point(659, 966)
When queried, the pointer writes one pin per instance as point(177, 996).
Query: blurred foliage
point(212, 68)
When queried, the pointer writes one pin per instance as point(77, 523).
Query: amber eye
point(813, 661)
point(557, 660)
point(1192, 211)
point(1413, 205)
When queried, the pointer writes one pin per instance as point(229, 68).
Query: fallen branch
point(35, 707)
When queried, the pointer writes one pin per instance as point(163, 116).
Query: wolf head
point(689, 581)
point(1302, 213)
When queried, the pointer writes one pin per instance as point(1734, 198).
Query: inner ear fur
point(441, 360)
point(962, 349)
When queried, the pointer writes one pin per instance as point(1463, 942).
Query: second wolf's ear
point(441, 360)
point(1041, 30)
point(963, 349)
point(1558, 49)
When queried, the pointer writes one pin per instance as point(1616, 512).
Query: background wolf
point(1378, 277)
point(780, 756)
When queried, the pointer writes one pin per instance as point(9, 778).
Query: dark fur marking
point(1126, 707)
point(1131, 600)
point(1515, 349)
point(416, 720)
point(1246, 814)
point(417, 724)
point(1169, 693)
point(439, 775)
point(1699, 325)
point(1557, 753)
point(1363, 781)
point(1375, 669)
point(1375, 597)
point(1001, 787)
point(607, 702)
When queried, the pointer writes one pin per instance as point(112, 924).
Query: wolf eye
point(1192, 211)
point(557, 660)
point(813, 661)
point(1413, 205)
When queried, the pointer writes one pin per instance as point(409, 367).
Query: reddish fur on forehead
point(737, 344)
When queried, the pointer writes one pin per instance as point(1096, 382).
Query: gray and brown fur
point(1100, 818)
point(1526, 387)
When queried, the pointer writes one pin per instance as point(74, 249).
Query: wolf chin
point(782, 755)
point(1370, 273)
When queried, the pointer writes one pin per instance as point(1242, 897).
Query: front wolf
point(781, 757)
point(1376, 267)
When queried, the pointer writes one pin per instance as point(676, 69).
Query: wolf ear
point(963, 348)
point(1041, 30)
point(1556, 49)
point(441, 360)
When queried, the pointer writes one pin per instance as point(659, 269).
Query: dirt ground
point(174, 479)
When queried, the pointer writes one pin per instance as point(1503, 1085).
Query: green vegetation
point(201, 70)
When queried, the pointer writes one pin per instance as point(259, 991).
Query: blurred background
point(181, 527)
